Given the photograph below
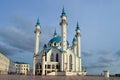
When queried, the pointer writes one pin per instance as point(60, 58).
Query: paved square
point(21, 77)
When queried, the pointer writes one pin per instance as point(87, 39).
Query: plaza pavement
point(22, 77)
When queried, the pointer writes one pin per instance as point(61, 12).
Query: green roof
point(21, 63)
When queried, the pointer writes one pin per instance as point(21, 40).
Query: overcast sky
point(99, 22)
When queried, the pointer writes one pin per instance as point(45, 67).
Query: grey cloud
point(103, 52)
point(20, 37)
point(7, 49)
point(105, 60)
point(97, 65)
point(118, 53)
point(87, 53)
point(101, 62)
point(17, 38)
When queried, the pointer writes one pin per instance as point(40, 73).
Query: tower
point(63, 25)
point(78, 46)
point(37, 34)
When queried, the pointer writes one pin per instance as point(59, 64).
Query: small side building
point(22, 68)
point(6, 65)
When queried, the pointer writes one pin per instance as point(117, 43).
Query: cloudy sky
point(99, 22)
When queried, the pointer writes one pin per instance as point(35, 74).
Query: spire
point(38, 23)
point(55, 33)
point(77, 28)
point(63, 12)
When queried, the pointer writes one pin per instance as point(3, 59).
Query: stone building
point(6, 65)
point(22, 68)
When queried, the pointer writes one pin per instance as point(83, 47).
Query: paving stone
point(21, 77)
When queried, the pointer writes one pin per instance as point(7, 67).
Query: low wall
point(82, 73)
point(70, 73)
point(67, 73)
point(57, 73)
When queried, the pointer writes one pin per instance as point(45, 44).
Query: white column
point(68, 69)
point(74, 63)
point(64, 46)
point(62, 62)
point(77, 63)
point(43, 65)
point(80, 64)
point(34, 63)
point(36, 42)
point(78, 46)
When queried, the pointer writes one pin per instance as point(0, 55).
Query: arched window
point(38, 66)
point(70, 62)
point(57, 58)
point(55, 44)
point(52, 57)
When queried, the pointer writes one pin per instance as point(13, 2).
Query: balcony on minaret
point(63, 22)
point(37, 30)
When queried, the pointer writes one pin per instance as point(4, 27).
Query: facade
point(22, 68)
point(58, 57)
point(6, 65)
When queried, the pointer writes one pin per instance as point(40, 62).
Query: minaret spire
point(55, 33)
point(63, 12)
point(38, 23)
point(77, 27)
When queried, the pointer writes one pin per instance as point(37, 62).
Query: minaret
point(37, 34)
point(78, 46)
point(63, 25)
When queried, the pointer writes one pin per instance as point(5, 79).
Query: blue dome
point(55, 39)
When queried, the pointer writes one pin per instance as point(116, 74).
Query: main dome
point(56, 39)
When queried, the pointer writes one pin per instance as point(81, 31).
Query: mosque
point(58, 57)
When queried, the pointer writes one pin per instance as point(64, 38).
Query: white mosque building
point(58, 57)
